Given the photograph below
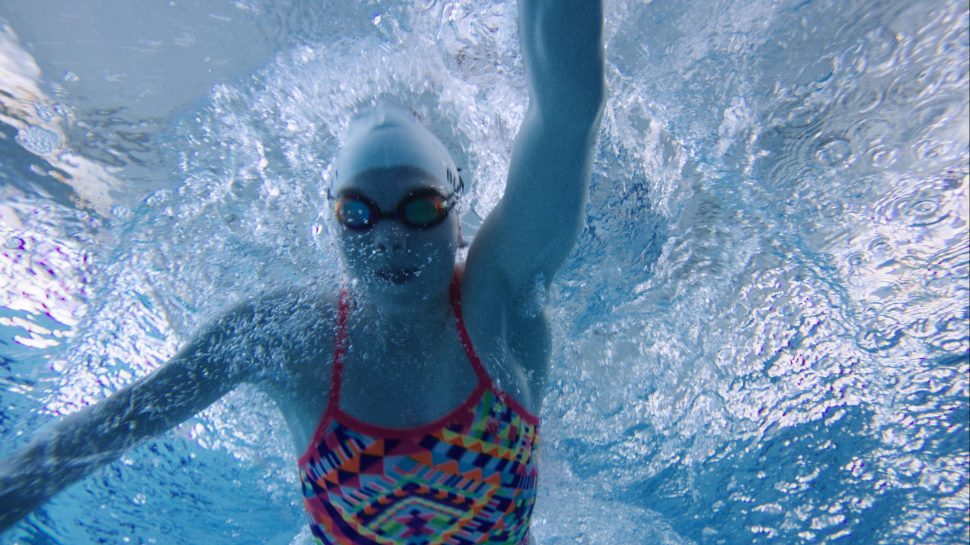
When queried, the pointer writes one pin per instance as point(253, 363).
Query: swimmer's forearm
point(562, 47)
point(70, 450)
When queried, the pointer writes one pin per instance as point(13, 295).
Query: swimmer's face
point(390, 257)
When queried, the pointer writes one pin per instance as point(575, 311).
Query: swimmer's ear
point(461, 183)
point(459, 189)
point(329, 183)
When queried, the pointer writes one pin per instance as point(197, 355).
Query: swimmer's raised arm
point(67, 451)
point(536, 224)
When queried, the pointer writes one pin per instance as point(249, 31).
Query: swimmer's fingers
point(14, 509)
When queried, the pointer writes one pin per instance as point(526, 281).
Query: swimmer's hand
point(72, 448)
point(20, 492)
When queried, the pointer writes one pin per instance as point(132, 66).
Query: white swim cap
point(388, 136)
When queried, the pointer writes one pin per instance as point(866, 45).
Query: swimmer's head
point(386, 137)
point(388, 158)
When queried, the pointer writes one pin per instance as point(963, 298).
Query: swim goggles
point(419, 209)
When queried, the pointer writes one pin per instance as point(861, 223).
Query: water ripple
point(763, 334)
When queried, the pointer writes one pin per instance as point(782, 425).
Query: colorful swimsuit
point(466, 478)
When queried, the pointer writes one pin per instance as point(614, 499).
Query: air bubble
point(882, 156)
point(919, 209)
point(874, 129)
point(925, 208)
point(121, 212)
point(904, 89)
point(880, 247)
point(934, 149)
point(801, 116)
point(38, 140)
point(862, 99)
point(880, 46)
point(44, 112)
point(158, 198)
point(834, 152)
point(15, 243)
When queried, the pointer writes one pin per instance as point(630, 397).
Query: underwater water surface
point(762, 337)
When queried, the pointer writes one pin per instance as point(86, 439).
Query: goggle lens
point(424, 209)
point(354, 213)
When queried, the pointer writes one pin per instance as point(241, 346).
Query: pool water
point(763, 336)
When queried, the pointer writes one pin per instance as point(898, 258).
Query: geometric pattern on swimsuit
point(466, 478)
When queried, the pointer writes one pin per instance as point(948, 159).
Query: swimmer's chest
point(405, 384)
point(401, 385)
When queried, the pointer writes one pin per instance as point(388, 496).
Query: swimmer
point(411, 394)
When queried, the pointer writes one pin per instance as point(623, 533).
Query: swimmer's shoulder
point(280, 332)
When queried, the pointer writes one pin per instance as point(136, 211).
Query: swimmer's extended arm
point(77, 445)
point(536, 224)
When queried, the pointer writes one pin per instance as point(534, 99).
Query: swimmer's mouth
point(397, 276)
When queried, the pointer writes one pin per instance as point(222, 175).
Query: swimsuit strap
point(466, 341)
point(339, 351)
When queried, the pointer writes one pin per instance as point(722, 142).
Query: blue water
point(762, 336)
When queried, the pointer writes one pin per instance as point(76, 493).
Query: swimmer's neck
point(408, 316)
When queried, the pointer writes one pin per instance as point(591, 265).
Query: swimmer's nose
point(389, 238)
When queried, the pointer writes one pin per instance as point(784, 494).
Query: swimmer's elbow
point(572, 110)
point(590, 110)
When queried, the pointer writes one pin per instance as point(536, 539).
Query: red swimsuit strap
point(483, 376)
point(339, 351)
point(466, 341)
